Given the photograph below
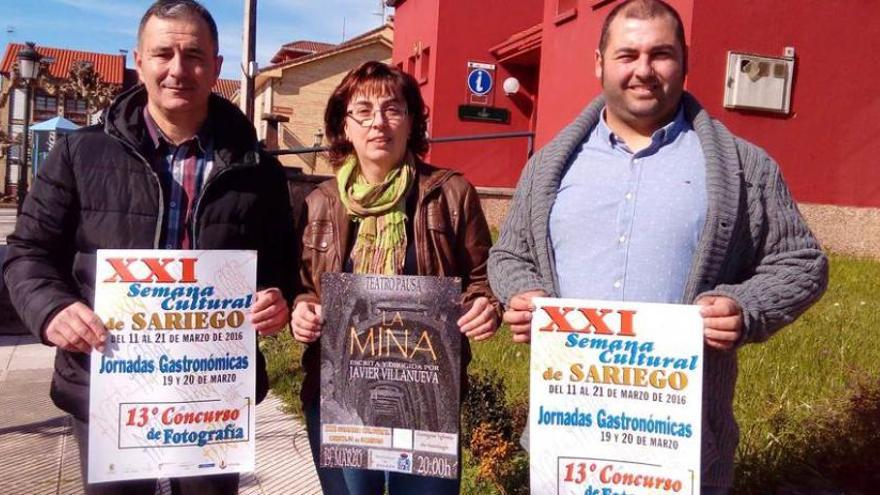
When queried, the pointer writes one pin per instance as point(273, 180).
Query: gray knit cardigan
point(755, 248)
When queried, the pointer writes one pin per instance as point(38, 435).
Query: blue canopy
point(55, 124)
point(42, 134)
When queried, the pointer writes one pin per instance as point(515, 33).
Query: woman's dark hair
point(374, 79)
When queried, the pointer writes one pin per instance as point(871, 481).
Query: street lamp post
point(28, 69)
point(319, 138)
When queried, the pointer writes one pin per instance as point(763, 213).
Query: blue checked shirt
point(182, 171)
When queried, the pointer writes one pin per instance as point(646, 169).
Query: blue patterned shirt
point(625, 225)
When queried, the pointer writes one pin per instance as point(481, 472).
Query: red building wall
point(568, 78)
point(828, 147)
point(415, 29)
point(465, 31)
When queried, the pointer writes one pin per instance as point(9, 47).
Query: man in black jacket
point(171, 166)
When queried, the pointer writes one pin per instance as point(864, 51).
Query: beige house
point(291, 94)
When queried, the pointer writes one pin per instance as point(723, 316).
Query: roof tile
point(111, 67)
point(226, 88)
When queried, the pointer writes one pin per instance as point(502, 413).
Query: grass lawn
point(807, 370)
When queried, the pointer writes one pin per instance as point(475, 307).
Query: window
point(15, 149)
point(45, 107)
point(563, 6)
point(411, 65)
point(18, 96)
point(566, 10)
point(424, 65)
point(45, 103)
point(76, 111)
point(74, 106)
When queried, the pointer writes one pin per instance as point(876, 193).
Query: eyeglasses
point(365, 116)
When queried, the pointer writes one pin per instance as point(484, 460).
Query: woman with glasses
point(387, 212)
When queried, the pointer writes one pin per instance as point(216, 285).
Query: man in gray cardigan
point(644, 197)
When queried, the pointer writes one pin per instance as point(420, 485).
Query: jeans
point(216, 484)
point(366, 482)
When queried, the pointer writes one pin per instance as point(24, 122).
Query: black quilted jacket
point(97, 190)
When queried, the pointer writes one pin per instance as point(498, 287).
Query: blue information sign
point(480, 82)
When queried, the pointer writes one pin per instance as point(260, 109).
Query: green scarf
point(380, 214)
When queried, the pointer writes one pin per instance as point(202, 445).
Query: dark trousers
point(216, 484)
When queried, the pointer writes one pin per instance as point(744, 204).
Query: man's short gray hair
point(178, 9)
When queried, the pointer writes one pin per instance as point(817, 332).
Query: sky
point(108, 26)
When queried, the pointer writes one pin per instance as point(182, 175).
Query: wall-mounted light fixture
point(510, 86)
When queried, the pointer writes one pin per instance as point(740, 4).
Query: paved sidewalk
point(40, 456)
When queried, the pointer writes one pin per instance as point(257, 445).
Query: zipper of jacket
point(211, 180)
point(422, 219)
point(158, 233)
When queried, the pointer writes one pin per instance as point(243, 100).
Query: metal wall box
point(758, 82)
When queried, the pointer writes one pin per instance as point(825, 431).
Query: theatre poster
point(390, 373)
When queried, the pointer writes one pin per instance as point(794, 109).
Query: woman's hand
point(480, 322)
point(305, 321)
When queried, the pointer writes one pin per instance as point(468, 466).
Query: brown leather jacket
point(450, 231)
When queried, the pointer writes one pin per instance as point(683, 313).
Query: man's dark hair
point(644, 10)
point(179, 9)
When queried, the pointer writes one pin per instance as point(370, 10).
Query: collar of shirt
point(659, 138)
point(158, 138)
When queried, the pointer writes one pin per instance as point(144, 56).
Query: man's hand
point(77, 328)
point(269, 312)
point(306, 322)
point(519, 315)
point(722, 321)
point(479, 323)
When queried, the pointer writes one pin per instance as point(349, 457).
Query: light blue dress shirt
point(625, 225)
